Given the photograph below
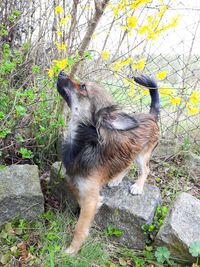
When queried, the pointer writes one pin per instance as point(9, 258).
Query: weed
point(194, 250)
point(113, 231)
point(151, 229)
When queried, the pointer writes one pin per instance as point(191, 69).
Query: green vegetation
point(30, 114)
point(151, 229)
point(41, 243)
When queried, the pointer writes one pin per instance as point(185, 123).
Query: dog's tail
point(151, 84)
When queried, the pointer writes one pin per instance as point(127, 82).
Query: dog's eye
point(83, 87)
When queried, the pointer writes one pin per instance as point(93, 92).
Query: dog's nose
point(61, 74)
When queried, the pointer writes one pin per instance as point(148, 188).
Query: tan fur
point(89, 203)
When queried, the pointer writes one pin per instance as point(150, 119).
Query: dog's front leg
point(89, 203)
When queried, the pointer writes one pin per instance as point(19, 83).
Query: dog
point(102, 143)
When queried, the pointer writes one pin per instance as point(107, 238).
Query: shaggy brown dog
point(102, 143)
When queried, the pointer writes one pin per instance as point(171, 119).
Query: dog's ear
point(120, 121)
point(112, 118)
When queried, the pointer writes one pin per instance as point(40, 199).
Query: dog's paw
point(136, 189)
point(114, 183)
point(70, 251)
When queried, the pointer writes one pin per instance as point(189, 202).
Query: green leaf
point(112, 231)
point(122, 262)
point(16, 13)
point(51, 236)
point(2, 115)
point(4, 132)
point(20, 110)
point(8, 227)
point(26, 154)
point(88, 54)
point(5, 259)
point(3, 234)
point(36, 69)
point(2, 167)
point(194, 248)
point(71, 61)
point(151, 228)
point(162, 254)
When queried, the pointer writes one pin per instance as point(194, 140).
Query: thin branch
point(99, 10)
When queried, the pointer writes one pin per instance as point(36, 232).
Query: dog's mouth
point(65, 87)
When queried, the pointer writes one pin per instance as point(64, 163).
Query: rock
point(120, 209)
point(128, 213)
point(192, 163)
point(20, 193)
point(166, 148)
point(181, 227)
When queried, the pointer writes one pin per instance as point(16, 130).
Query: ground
point(41, 243)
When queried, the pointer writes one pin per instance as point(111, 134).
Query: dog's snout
point(61, 74)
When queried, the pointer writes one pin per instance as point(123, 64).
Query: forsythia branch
point(99, 10)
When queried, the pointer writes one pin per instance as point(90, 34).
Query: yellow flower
point(61, 64)
point(58, 9)
point(192, 110)
point(162, 11)
point(118, 65)
point(117, 9)
point(89, 7)
point(143, 29)
point(139, 65)
point(132, 21)
point(59, 32)
point(195, 97)
point(175, 100)
point(105, 54)
point(63, 21)
point(131, 91)
point(151, 35)
point(127, 61)
point(175, 21)
point(61, 46)
point(50, 73)
point(94, 35)
point(137, 3)
point(161, 75)
point(166, 91)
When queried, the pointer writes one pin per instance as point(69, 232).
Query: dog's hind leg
point(117, 180)
point(142, 161)
point(89, 200)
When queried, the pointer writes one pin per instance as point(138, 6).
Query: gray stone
point(181, 227)
point(166, 148)
point(128, 213)
point(192, 163)
point(120, 209)
point(20, 193)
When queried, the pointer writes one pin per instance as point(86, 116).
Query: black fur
point(64, 87)
point(151, 84)
point(86, 151)
point(80, 154)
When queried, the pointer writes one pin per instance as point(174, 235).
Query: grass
point(41, 243)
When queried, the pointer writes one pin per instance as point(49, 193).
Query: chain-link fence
point(177, 54)
point(159, 38)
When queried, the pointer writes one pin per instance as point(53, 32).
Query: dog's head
point(92, 103)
